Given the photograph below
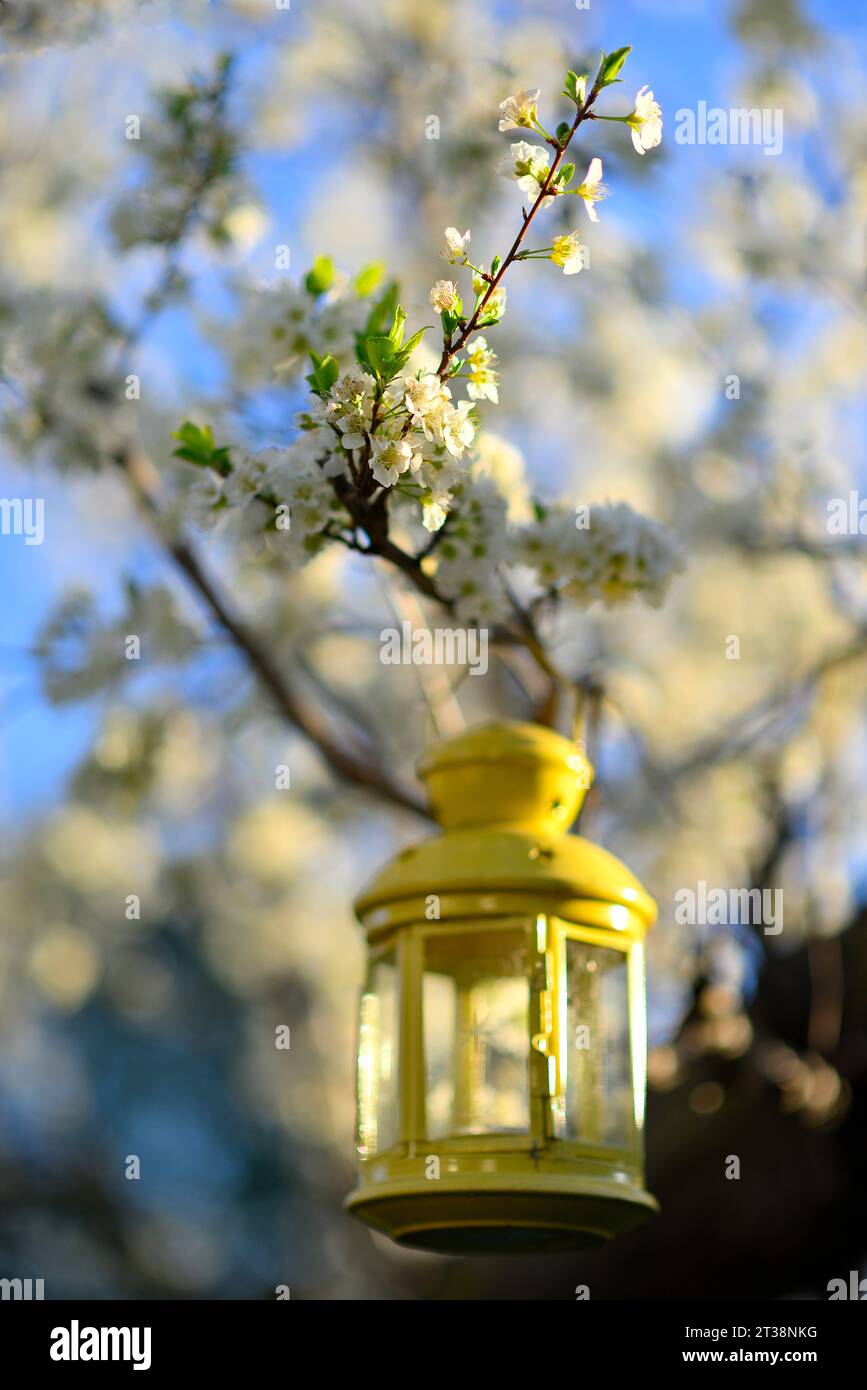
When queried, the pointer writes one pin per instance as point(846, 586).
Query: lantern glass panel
point(476, 1011)
point(596, 1056)
point(377, 1058)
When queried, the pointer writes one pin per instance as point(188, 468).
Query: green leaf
point(199, 439)
point(385, 353)
point(402, 357)
point(395, 333)
point(369, 278)
point(412, 343)
point(562, 130)
point(495, 265)
point(451, 320)
point(566, 175)
point(610, 66)
point(378, 355)
point(492, 313)
point(325, 372)
point(198, 447)
point(321, 276)
point(383, 310)
point(574, 88)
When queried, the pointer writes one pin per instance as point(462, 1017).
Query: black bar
point(229, 1337)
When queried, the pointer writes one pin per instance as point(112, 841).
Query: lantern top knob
point(507, 773)
point(505, 795)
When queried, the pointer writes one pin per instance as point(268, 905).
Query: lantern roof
point(506, 795)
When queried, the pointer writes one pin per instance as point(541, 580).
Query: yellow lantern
point(502, 1039)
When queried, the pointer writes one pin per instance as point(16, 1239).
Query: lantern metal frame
point(506, 795)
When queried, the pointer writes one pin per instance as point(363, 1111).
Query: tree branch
point(307, 719)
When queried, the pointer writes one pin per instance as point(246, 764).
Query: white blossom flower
point(473, 550)
point(483, 379)
point(496, 304)
point(305, 496)
point(455, 246)
point(444, 296)
point(60, 348)
point(645, 121)
point(434, 510)
point(276, 326)
point(567, 251)
point(621, 554)
point(333, 464)
point(592, 189)
point(427, 400)
point(435, 415)
point(350, 407)
point(247, 479)
point(519, 110)
point(528, 165)
point(203, 500)
point(458, 430)
point(496, 458)
point(439, 472)
point(390, 458)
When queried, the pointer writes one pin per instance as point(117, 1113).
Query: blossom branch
point(382, 441)
point(454, 347)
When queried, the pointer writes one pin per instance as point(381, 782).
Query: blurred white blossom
point(618, 556)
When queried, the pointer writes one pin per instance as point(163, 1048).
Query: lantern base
point(501, 1220)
